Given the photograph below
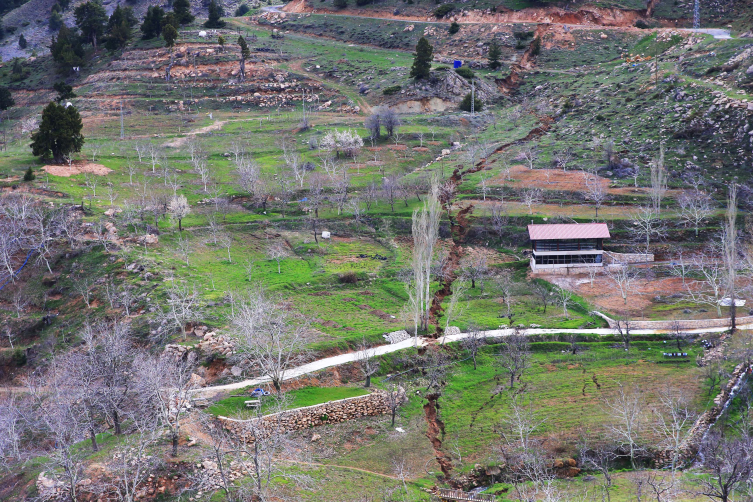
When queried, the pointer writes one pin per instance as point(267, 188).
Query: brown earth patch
point(382, 315)
point(420, 149)
point(77, 168)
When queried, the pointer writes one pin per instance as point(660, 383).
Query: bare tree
point(626, 407)
point(164, 388)
point(181, 306)
point(730, 254)
point(540, 291)
point(269, 336)
point(531, 197)
point(530, 152)
point(658, 181)
point(474, 341)
point(730, 461)
point(648, 225)
point(499, 218)
point(132, 462)
point(179, 209)
point(599, 458)
point(367, 362)
point(515, 356)
point(595, 191)
point(475, 268)
point(564, 298)
point(672, 421)
point(277, 251)
point(695, 208)
point(425, 230)
point(563, 157)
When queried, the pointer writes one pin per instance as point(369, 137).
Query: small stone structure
point(396, 336)
point(610, 257)
point(332, 412)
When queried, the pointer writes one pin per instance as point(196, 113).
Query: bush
point(393, 89)
point(241, 10)
point(340, 4)
point(465, 105)
point(348, 278)
point(443, 10)
point(536, 46)
point(454, 28)
point(19, 357)
point(29, 175)
point(466, 73)
point(522, 35)
point(640, 23)
point(361, 3)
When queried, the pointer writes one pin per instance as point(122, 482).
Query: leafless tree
point(695, 208)
point(658, 181)
point(225, 240)
point(455, 308)
point(636, 174)
point(730, 255)
point(390, 189)
point(277, 251)
point(648, 225)
point(530, 152)
point(181, 306)
point(201, 168)
point(373, 124)
point(595, 191)
point(499, 218)
point(531, 197)
point(515, 356)
point(474, 341)
point(132, 463)
point(83, 285)
point(626, 408)
point(710, 290)
point(541, 292)
point(610, 153)
point(367, 362)
point(179, 209)
point(563, 157)
point(564, 298)
point(389, 120)
point(475, 268)
point(155, 155)
point(163, 386)
point(184, 249)
point(269, 336)
point(599, 458)
point(672, 421)
point(519, 424)
point(396, 396)
point(729, 459)
point(425, 231)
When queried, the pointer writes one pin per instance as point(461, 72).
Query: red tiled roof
point(568, 231)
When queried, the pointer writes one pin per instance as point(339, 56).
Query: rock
point(197, 381)
point(236, 371)
point(315, 438)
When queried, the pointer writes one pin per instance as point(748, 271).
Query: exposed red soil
point(66, 171)
point(435, 429)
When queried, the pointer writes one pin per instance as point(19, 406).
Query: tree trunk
point(394, 411)
point(512, 380)
point(474, 360)
point(175, 444)
point(93, 437)
point(473, 283)
point(180, 225)
point(116, 421)
point(368, 381)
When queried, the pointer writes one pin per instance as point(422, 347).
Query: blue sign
point(457, 64)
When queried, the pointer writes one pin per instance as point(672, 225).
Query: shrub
point(454, 28)
point(522, 35)
point(348, 278)
point(241, 10)
point(19, 357)
point(340, 4)
point(361, 3)
point(22, 44)
point(393, 89)
point(640, 23)
point(466, 73)
point(29, 175)
point(536, 46)
point(443, 10)
point(465, 105)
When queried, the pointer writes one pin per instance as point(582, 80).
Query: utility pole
point(473, 95)
point(697, 15)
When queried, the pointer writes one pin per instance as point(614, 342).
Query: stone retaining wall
point(332, 412)
point(612, 257)
point(684, 324)
point(692, 443)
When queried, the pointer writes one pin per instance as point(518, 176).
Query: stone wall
point(612, 257)
point(332, 412)
point(684, 324)
point(692, 443)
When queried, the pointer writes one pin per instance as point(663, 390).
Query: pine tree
point(182, 10)
point(29, 175)
point(119, 28)
point(66, 49)
point(90, 19)
point(6, 98)
point(22, 42)
point(59, 133)
point(152, 25)
point(215, 14)
point(494, 54)
point(465, 105)
point(340, 4)
point(65, 91)
point(170, 34)
point(422, 59)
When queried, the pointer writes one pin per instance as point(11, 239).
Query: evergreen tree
point(65, 91)
point(245, 54)
point(56, 21)
point(465, 105)
point(182, 11)
point(221, 43)
point(66, 49)
point(22, 44)
point(215, 16)
point(454, 28)
point(171, 20)
point(119, 28)
point(59, 133)
point(422, 60)
point(6, 98)
point(340, 4)
point(494, 54)
point(90, 19)
point(152, 25)
point(29, 175)
point(170, 34)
